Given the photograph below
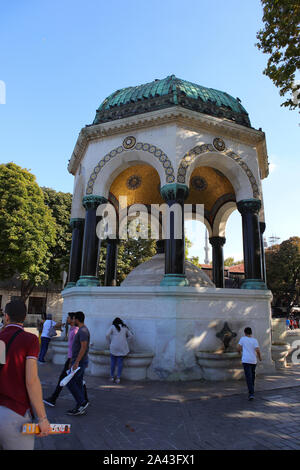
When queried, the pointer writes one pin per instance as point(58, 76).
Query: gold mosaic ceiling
point(141, 183)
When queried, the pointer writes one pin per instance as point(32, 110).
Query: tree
point(27, 229)
point(283, 270)
point(228, 261)
point(195, 260)
point(188, 244)
point(60, 205)
point(280, 38)
point(131, 253)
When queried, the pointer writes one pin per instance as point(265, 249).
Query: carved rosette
point(219, 144)
point(226, 335)
point(134, 182)
point(129, 142)
point(199, 183)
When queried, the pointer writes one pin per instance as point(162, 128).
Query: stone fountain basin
point(59, 349)
point(135, 364)
point(220, 365)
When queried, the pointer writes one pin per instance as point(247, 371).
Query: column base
point(70, 284)
point(257, 284)
point(174, 280)
point(85, 281)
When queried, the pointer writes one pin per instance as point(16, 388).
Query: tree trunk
point(26, 289)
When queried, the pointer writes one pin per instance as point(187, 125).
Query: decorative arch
point(194, 216)
point(221, 218)
point(218, 146)
point(129, 143)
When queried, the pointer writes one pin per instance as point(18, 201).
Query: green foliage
point(27, 228)
point(187, 246)
point(281, 38)
point(283, 269)
point(195, 260)
point(131, 253)
point(228, 261)
point(60, 205)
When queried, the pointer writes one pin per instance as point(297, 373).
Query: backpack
point(9, 344)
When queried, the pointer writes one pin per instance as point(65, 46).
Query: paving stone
point(177, 416)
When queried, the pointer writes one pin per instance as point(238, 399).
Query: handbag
point(52, 331)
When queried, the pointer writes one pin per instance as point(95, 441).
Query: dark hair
point(248, 331)
point(71, 314)
point(117, 322)
point(79, 316)
point(16, 310)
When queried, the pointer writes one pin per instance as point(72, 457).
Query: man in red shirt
point(20, 387)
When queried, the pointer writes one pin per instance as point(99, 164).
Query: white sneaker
point(118, 380)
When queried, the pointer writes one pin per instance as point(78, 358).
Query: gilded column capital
point(92, 201)
point(217, 241)
point(174, 192)
point(76, 223)
point(246, 206)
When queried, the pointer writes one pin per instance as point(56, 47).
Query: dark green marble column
point(175, 193)
point(91, 244)
point(160, 247)
point(110, 278)
point(218, 260)
point(77, 226)
point(249, 209)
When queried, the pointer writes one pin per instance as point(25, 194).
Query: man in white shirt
point(249, 348)
point(45, 336)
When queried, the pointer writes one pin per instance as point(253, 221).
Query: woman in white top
point(117, 336)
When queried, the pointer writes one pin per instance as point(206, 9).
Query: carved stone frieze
point(180, 116)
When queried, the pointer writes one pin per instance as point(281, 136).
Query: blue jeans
point(44, 348)
point(76, 385)
point(114, 360)
point(249, 370)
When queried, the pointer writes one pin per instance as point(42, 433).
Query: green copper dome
point(171, 91)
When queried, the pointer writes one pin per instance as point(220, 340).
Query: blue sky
point(60, 59)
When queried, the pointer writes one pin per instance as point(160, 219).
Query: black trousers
point(249, 370)
point(63, 374)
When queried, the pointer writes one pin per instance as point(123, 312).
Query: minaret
point(206, 249)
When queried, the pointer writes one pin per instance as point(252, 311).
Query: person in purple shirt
point(51, 401)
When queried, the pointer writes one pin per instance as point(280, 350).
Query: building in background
point(42, 300)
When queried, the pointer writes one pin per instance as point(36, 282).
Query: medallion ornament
point(198, 183)
point(134, 182)
point(219, 144)
point(129, 142)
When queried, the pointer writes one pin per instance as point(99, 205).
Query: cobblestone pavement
point(178, 416)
